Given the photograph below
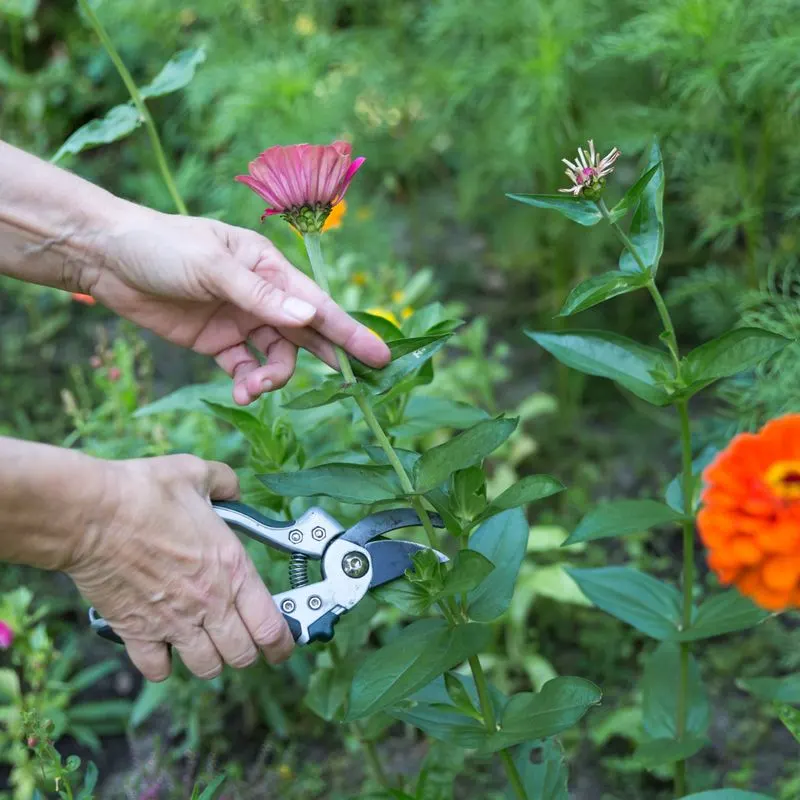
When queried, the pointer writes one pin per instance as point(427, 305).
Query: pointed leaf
point(647, 226)
point(599, 289)
point(527, 490)
point(350, 483)
point(726, 794)
point(542, 766)
point(422, 651)
point(116, 124)
point(656, 752)
point(327, 691)
point(150, 699)
point(778, 690)
point(631, 197)
point(660, 689)
point(724, 613)
point(408, 355)
point(648, 604)
point(620, 518)
point(503, 540)
point(469, 569)
point(387, 330)
point(424, 414)
point(212, 791)
point(190, 398)
point(579, 210)
point(467, 448)
point(176, 73)
point(329, 392)
point(733, 352)
point(609, 355)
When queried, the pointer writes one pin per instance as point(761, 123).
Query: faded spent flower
point(588, 175)
point(750, 520)
point(6, 635)
point(302, 182)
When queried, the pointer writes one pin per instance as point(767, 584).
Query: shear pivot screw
point(355, 565)
point(314, 603)
point(295, 537)
point(318, 533)
point(288, 606)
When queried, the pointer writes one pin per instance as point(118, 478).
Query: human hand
point(162, 568)
point(214, 287)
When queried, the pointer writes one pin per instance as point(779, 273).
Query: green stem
point(138, 101)
point(314, 250)
point(367, 745)
point(688, 586)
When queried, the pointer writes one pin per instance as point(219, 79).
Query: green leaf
point(467, 448)
point(176, 73)
point(631, 197)
point(647, 226)
point(423, 650)
point(19, 9)
point(724, 613)
point(674, 492)
point(609, 355)
point(542, 766)
point(503, 539)
point(536, 715)
point(410, 598)
point(150, 699)
point(106, 711)
point(190, 398)
point(329, 392)
point(597, 290)
point(459, 696)
point(726, 794)
point(655, 752)
point(733, 352)
point(350, 483)
point(443, 762)
point(387, 330)
point(91, 675)
point(660, 689)
point(779, 690)
point(10, 690)
point(621, 518)
point(648, 604)
point(328, 690)
point(408, 355)
point(527, 490)
point(90, 777)
point(212, 791)
point(469, 569)
point(116, 124)
point(425, 414)
point(579, 210)
point(790, 717)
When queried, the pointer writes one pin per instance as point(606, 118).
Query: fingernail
point(299, 309)
point(267, 385)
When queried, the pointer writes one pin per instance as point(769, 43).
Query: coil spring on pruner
point(298, 570)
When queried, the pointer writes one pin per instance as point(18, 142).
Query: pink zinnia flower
point(6, 635)
point(302, 182)
point(587, 173)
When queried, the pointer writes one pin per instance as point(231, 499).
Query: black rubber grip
point(322, 629)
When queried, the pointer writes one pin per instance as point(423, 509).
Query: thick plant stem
point(367, 746)
point(314, 250)
point(138, 101)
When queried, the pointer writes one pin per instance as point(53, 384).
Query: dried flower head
point(6, 635)
point(588, 175)
point(302, 182)
point(750, 520)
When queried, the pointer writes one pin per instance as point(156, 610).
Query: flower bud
point(6, 635)
point(114, 374)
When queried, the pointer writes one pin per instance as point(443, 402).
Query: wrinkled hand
point(213, 287)
point(162, 567)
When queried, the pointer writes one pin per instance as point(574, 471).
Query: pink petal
point(6, 636)
point(354, 167)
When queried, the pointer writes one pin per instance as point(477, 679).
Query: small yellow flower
point(305, 25)
point(363, 214)
point(285, 772)
point(398, 296)
point(406, 312)
point(360, 278)
point(386, 314)
point(187, 17)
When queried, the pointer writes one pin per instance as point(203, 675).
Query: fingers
point(263, 620)
point(310, 340)
point(221, 481)
point(232, 640)
point(261, 298)
point(150, 658)
point(199, 654)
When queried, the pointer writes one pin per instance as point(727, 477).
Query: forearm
point(52, 223)
point(52, 501)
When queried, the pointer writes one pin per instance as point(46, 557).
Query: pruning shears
point(354, 560)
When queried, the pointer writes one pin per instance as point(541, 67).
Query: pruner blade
point(391, 558)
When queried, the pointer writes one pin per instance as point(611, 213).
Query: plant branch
point(138, 101)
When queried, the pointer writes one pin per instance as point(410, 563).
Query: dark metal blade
point(392, 557)
point(383, 522)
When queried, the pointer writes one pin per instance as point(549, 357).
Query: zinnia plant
point(415, 677)
point(748, 522)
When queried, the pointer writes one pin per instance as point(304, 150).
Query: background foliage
point(476, 100)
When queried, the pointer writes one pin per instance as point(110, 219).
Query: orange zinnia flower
point(750, 521)
point(86, 299)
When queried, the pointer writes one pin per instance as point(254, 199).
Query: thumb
point(262, 299)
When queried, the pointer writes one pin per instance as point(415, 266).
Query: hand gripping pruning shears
point(354, 560)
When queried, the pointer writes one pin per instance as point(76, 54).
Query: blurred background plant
point(475, 100)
